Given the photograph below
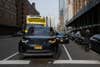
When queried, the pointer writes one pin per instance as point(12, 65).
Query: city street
point(72, 55)
point(37, 27)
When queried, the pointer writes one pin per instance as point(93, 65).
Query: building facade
point(7, 12)
point(61, 15)
point(12, 14)
point(78, 5)
point(85, 15)
point(24, 8)
point(7, 16)
point(68, 13)
point(73, 7)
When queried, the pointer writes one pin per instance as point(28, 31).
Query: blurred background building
point(82, 14)
point(7, 15)
point(74, 7)
point(61, 15)
point(24, 8)
point(13, 13)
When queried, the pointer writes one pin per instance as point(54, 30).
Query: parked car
point(39, 42)
point(80, 40)
point(95, 42)
point(72, 36)
point(17, 34)
point(62, 38)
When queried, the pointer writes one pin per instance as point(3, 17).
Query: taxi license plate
point(37, 47)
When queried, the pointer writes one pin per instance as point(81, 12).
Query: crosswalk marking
point(76, 62)
point(69, 56)
point(20, 62)
point(10, 56)
point(15, 62)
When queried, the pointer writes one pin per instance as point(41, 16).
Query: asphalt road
point(72, 55)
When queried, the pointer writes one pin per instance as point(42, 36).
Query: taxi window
point(44, 31)
point(38, 30)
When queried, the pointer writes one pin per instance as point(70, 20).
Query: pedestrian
point(87, 42)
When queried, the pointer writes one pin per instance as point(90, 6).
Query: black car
point(71, 36)
point(62, 38)
point(39, 42)
point(19, 33)
point(95, 42)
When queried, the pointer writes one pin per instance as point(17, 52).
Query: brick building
point(12, 14)
point(24, 8)
point(86, 14)
point(7, 15)
point(73, 7)
point(7, 12)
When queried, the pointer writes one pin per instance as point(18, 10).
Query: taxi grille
point(39, 41)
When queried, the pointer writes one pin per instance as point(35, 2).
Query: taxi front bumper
point(37, 53)
point(29, 50)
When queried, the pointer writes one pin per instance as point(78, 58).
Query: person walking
point(87, 42)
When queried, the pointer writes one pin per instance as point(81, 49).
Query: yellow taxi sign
point(36, 20)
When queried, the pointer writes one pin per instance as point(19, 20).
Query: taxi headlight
point(24, 41)
point(25, 30)
point(52, 41)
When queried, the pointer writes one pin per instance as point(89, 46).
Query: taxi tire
point(56, 53)
point(21, 56)
point(56, 56)
point(20, 48)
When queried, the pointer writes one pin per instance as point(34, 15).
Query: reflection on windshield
point(41, 31)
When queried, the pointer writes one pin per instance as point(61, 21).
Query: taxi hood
point(39, 37)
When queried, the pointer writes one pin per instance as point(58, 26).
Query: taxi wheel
point(56, 53)
point(21, 56)
point(20, 48)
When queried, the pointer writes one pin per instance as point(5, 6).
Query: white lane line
point(15, 62)
point(69, 56)
point(10, 56)
point(76, 62)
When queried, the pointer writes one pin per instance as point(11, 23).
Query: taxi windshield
point(38, 30)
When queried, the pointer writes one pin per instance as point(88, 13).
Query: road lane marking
point(15, 62)
point(10, 56)
point(69, 56)
point(76, 62)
